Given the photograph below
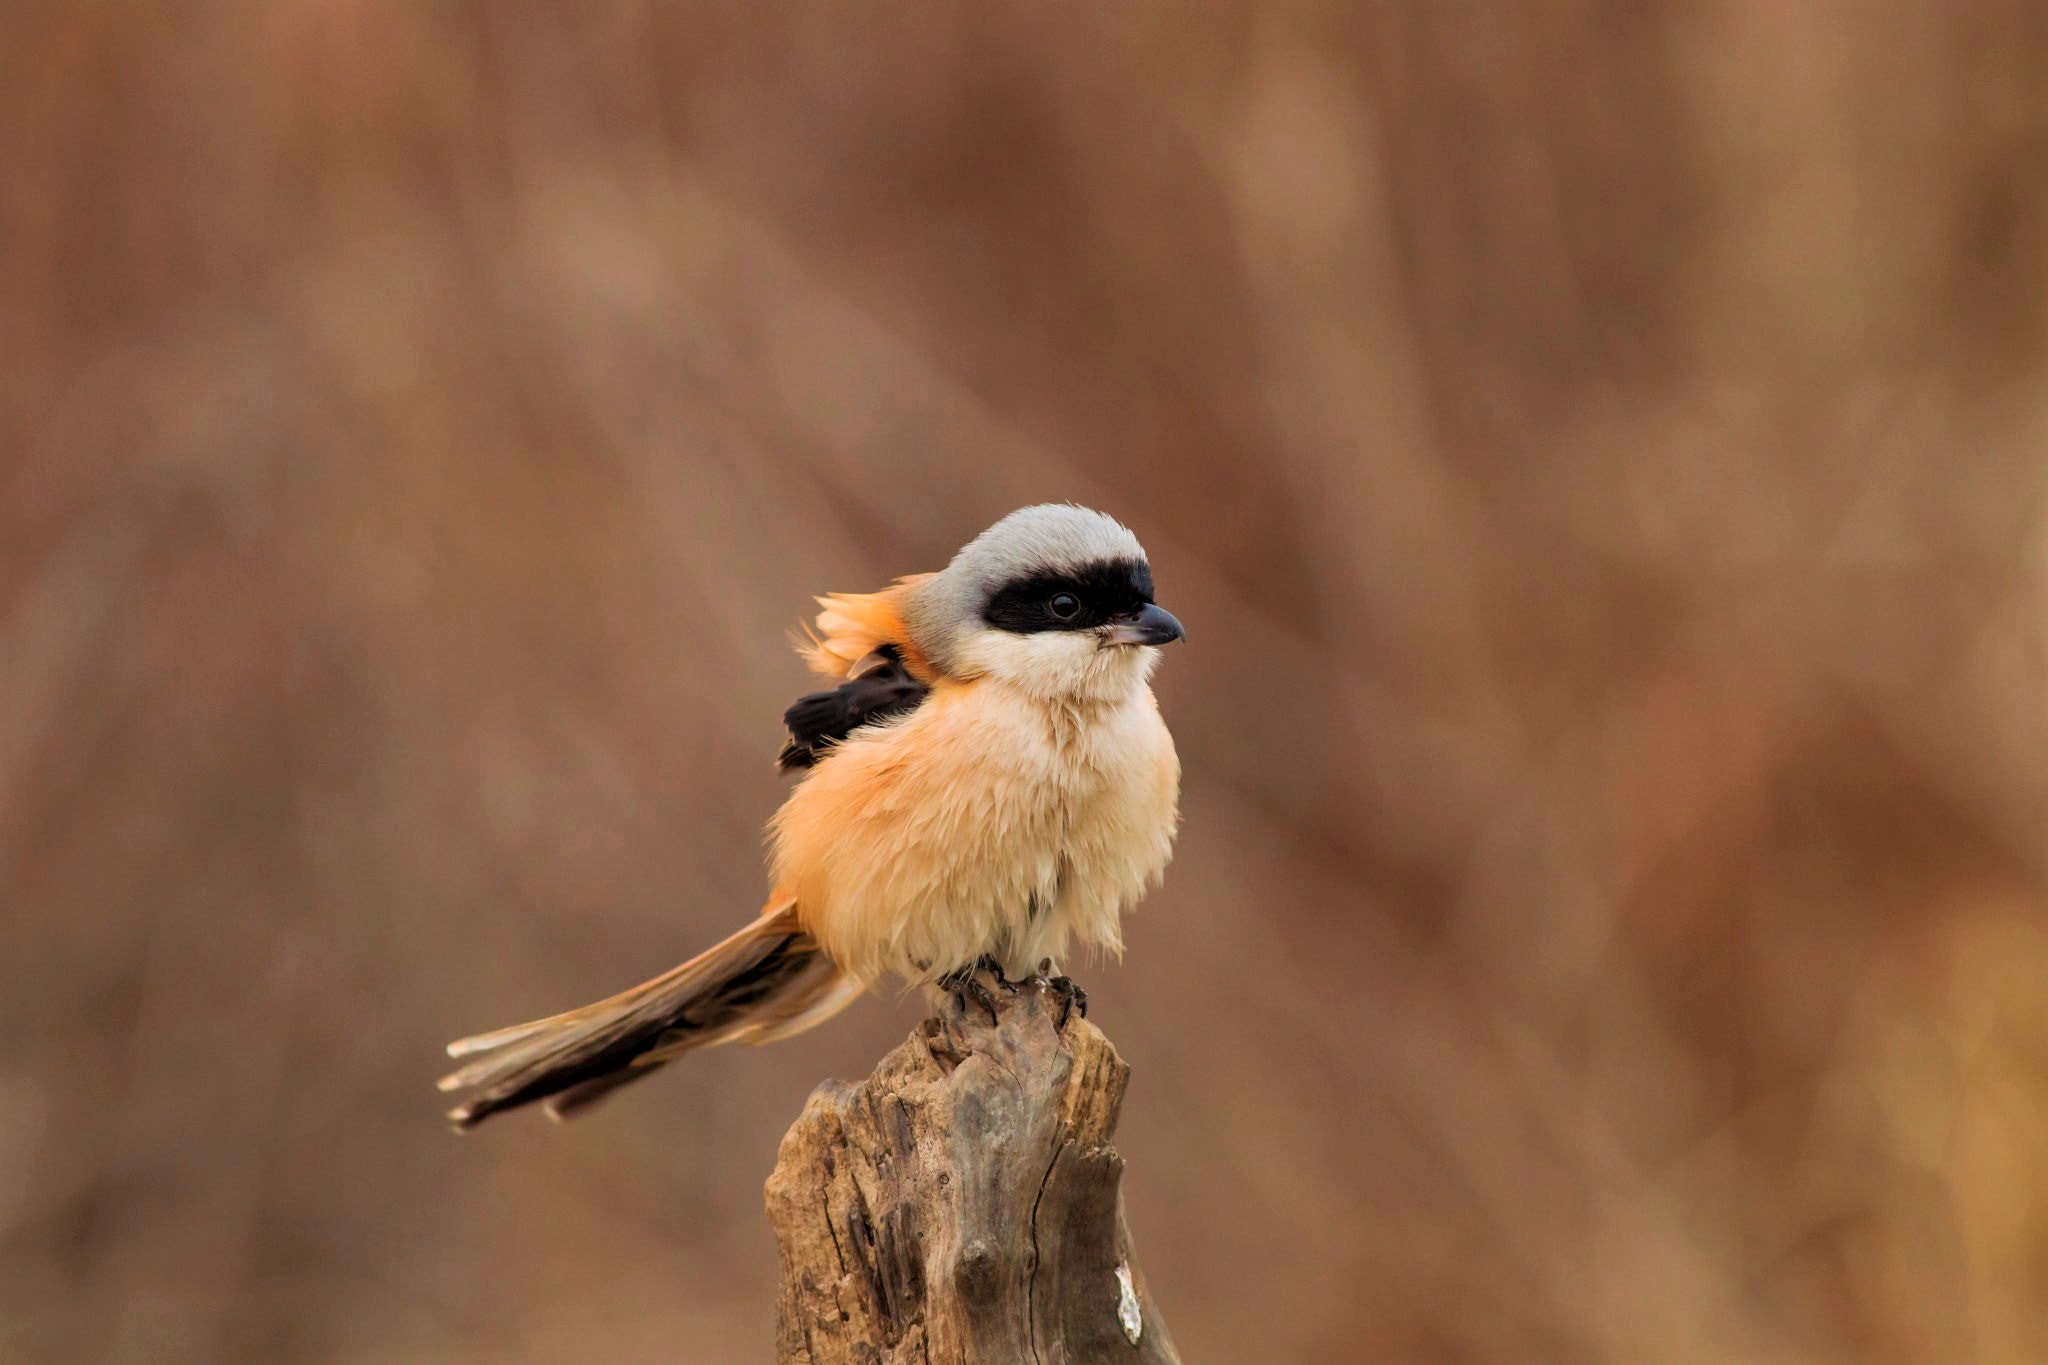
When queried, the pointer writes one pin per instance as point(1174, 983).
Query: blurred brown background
point(1599, 451)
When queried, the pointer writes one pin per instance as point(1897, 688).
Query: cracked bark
point(963, 1204)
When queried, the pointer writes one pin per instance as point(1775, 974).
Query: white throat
point(1071, 669)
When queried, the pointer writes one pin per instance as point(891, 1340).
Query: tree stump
point(962, 1204)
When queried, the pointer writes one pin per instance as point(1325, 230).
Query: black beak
point(1152, 626)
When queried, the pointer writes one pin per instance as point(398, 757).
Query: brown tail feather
point(767, 981)
point(583, 1094)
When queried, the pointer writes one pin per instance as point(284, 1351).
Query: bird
point(986, 784)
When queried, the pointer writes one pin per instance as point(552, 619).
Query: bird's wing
point(880, 688)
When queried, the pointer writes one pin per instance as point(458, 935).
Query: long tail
point(768, 981)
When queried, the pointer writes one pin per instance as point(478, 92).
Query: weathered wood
point(962, 1204)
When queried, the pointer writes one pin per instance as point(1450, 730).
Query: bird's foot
point(964, 985)
point(1071, 996)
point(987, 963)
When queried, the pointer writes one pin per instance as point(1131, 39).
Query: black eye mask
point(1105, 590)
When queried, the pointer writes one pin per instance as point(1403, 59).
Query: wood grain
point(963, 1203)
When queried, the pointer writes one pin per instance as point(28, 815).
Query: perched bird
point(988, 783)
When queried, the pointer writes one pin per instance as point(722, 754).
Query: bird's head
point(1055, 600)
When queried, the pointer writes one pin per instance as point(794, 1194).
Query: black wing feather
point(820, 720)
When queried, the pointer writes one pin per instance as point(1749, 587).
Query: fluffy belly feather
point(985, 822)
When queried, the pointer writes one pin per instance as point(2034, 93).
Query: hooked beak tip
point(1152, 626)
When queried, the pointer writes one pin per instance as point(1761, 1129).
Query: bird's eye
point(1064, 605)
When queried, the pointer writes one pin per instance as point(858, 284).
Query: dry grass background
point(1598, 449)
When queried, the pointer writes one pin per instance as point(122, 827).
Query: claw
point(987, 963)
point(965, 984)
point(1072, 997)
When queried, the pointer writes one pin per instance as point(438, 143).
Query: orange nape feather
point(854, 625)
